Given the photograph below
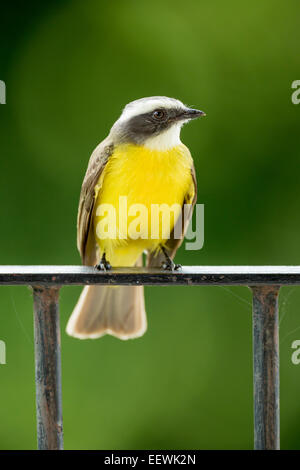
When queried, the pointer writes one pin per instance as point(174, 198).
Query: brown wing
point(86, 242)
point(155, 259)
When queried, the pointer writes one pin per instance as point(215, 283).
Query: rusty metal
point(266, 367)
point(48, 368)
point(265, 282)
point(188, 275)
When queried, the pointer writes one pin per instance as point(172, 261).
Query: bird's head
point(154, 122)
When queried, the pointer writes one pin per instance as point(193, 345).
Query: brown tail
point(117, 311)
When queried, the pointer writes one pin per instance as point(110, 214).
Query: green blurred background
point(69, 68)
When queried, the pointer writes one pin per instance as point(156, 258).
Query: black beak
point(190, 113)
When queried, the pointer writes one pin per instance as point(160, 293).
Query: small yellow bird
point(142, 162)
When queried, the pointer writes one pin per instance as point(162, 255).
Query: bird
point(143, 160)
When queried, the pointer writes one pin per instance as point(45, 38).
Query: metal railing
point(265, 282)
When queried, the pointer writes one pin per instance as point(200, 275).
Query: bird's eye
point(158, 114)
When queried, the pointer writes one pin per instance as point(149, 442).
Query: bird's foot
point(104, 265)
point(169, 265)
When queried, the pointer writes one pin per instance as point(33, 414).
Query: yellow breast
point(146, 177)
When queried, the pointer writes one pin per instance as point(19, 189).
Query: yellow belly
point(144, 177)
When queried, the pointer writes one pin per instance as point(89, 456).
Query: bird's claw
point(103, 266)
point(170, 266)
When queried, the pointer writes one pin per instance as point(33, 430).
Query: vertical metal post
point(266, 367)
point(48, 368)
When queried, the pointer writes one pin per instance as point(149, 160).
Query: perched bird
point(144, 160)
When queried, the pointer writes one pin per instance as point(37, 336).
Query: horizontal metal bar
point(188, 275)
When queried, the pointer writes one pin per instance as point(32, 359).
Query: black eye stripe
point(142, 126)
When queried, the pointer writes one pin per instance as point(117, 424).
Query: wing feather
point(86, 242)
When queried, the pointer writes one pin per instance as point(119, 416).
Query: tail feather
point(100, 310)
